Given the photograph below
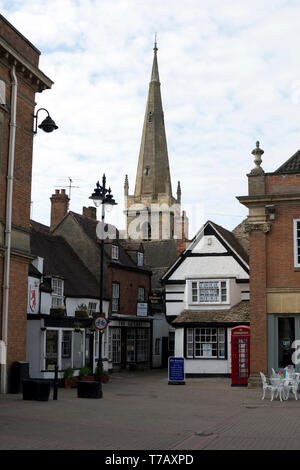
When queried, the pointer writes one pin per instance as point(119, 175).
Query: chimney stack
point(59, 207)
point(182, 233)
point(90, 212)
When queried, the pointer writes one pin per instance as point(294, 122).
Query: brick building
point(127, 283)
point(20, 80)
point(273, 225)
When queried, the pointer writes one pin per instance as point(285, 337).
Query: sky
point(229, 73)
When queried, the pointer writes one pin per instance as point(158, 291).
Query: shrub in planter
point(85, 373)
point(81, 311)
point(69, 380)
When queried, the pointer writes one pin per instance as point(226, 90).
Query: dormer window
point(115, 252)
point(140, 259)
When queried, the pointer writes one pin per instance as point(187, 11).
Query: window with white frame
point(57, 292)
point(208, 343)
point(141, 294)
point(115, 300)
point(210, 291)
point(297, 242)
point(142, 344)
point(140, 259)
point(115, 345)
point(115, 252)
point(92, 308)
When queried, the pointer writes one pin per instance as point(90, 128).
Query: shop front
point(130, 344)
point(283, 331)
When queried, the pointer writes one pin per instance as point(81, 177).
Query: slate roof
point(240, 313)
point(60, 260)
point(292, 165)
point(89, 226)
point(159, 255)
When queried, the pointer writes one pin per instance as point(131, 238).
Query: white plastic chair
point(275, 386)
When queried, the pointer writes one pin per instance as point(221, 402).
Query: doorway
point(286, 337)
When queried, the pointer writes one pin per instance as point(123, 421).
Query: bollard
point(55, 385)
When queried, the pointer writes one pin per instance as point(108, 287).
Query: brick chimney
point(182, 232)
point(59, 207)
point(90, 212)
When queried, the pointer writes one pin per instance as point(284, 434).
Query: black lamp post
point(48, 125)
point(102, 196)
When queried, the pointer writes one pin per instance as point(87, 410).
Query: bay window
point(206, 343)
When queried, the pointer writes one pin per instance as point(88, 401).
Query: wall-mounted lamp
point(43, 328)
point(48, 125)
point(271, 210)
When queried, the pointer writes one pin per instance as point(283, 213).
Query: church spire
point(153, 173)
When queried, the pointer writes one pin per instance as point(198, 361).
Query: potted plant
point(69, 380)
point(81, 311)
point(85, 373)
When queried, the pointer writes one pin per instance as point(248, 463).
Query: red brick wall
point(17, 312)
point(280, 249)
point(258, 308)
point(129, 282)
point(282, 184)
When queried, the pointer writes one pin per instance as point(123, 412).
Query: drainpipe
point(8, 221)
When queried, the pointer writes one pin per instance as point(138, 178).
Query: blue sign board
point(176, 371)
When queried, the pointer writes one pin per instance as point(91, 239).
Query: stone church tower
point(152, 213)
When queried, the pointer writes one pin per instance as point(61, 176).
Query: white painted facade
point(208, 259)
point(39, 305)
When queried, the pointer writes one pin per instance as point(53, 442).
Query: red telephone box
point(240, 355)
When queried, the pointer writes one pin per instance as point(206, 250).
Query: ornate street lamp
point(102, 196)
point(48, 125)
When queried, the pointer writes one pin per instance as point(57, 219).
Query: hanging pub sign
point(33, 297)
point(156, 301)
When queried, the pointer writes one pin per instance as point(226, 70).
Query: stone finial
point(126, 185)
point(257, 152)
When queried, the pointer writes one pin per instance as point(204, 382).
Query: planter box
point(86, 389)
point(35, 389)
point(81, 314)
point(89, 378)
point(58, 312)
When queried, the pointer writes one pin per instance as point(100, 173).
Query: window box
point(58, 312)
point(81, 314)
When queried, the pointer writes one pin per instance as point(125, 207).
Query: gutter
point(8, 222)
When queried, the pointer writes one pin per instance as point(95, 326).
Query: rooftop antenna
point(70, 186)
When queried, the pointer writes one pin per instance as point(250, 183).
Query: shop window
point(66, 349)
point(142, 345)
point(208, 343)
point(115, 345)
point(51, 349)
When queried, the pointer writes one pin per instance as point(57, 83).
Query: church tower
point(152, 213)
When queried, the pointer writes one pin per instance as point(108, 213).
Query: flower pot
point(88, 378)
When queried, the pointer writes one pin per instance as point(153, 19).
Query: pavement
point(141, 411)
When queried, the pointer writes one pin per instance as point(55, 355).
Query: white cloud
point(229, 75)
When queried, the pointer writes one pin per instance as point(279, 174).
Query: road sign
point(100, 322)
point(176, 371)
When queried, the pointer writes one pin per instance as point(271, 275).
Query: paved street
point(140, 411)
